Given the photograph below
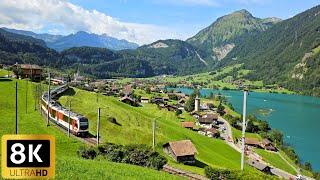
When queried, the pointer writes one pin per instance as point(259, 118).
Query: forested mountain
point(284, 52)
point(218, 39)
point(47, 38)
point(15, 48)
point(161, 57)
point(287, 53)
point(81, 38)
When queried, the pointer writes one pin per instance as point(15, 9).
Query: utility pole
point(69, 118)
point(16, 107)
point(48, 105)
point(35, 91)
point(26, 96)
point(98, 126)
point(154, 135)
point(245, 93)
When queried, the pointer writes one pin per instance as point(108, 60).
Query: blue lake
point(297, 117)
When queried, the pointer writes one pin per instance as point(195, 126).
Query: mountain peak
point(243, 11)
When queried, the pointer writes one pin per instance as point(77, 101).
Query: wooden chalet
point(253, 142)
point(260, 166)
point(208, 118)
point(267, 144)
point(181, 151)
point(31, 71)
point(188, 125)
point(129, 100)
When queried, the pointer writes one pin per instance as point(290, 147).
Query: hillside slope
point(15, 48)
point(68, 165)
point(135, 126)
point(287, 53)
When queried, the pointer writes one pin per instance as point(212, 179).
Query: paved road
point(230, 142)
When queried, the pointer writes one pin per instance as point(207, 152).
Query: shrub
point(140, 155)
point(178, 112)
point(87, 153)
point(213, 173)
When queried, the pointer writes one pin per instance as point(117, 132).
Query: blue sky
point(141, 21)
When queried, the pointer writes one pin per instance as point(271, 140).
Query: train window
point(84, 125)
point(53, 113)
point(65, 118)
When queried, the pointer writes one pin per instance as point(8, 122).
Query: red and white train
point(79, 125)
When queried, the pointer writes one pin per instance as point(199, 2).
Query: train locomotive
point(79, 125)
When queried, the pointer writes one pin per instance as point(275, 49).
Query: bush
point(213, 173)
point(178, 112)
point(87, 153)
point(140, 155)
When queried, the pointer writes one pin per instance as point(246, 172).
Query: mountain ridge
point(78, 39)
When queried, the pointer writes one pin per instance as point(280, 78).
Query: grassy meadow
point(134, 126)
point(68, 165)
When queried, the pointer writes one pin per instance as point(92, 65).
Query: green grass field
point(4, 72)
point(68, 165)
point(135, 127)
point(275, 160)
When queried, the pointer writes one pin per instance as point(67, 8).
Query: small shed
point(144, 100)
point(253, 142)
point(181, 151)
point(208, 118)
point(212, 132)
point(188, 125)
point(129, 100)
point(260, 166)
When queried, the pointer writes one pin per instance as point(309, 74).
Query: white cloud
point(248, 2)
point(190, 2)
point(37, 15)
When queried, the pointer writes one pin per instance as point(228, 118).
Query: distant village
point(207, 120)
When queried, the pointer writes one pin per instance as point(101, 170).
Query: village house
point(31, 71)
point(171, 107)
point(157, 100)
point(127, 90)
point(129, 100)
point(182, 101)
point(267, 144)
point(181, 151)
point(212, 132)
point(260, 166)
point(166, 98)
point(208, 120)
point(188, 125)
point(253, 142)
point(144, 100)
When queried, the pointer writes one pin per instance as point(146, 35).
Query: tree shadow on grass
point(5, 80)
point(199, 164)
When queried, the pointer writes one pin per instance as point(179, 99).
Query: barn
point(181, 151)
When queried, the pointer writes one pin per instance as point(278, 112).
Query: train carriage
point(78, 124)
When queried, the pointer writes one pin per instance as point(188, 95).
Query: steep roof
point(257, 164)
point(252, 141)
point(29, 66)
point(187, 124)
point(183, 148)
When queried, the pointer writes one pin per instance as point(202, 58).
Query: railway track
point(182, 173)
